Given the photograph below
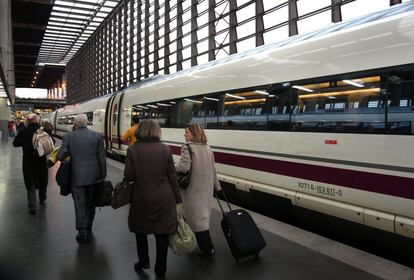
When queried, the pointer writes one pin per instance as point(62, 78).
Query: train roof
point(386, 13)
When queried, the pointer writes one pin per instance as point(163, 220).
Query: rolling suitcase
point(241, 232)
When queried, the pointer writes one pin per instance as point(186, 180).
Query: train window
point(373, 104)
point(404, 103)
point(354, 104)
point(346, 104)
point(211, 104)
point(197, 110)
point(115, 114)
point(400, 97)
point(90, 117)
point(279, 103)
point(244, 110)
point(158, 111)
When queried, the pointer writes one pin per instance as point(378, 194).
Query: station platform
point(43, 246)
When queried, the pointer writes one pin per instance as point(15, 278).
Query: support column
point(293, 17)
point(146, 39)
point(395, 2)
point(232, 28)
point(211, 30)
point(167, 38)
point(179, 35)
point(156, 36)
point(259, 23)
point(194, 27)
point(336, 11)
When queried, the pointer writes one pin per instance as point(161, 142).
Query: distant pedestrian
point(154, 196)
point(11, 128)
point(129, 135)
point(198, 197)
point(88, 167)
point(35, 172)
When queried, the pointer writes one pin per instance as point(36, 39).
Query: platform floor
point(44, 246)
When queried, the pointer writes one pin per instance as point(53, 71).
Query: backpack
point(42, 142)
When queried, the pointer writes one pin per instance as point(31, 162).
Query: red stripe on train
point(378, 183)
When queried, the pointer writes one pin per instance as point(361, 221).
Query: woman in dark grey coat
point(155, 194)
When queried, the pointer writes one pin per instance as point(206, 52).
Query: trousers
point(83, 198)
point(204, 241)
point(35, 175)
point(161, 241)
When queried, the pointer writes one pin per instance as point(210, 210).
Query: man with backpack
point(35, 172)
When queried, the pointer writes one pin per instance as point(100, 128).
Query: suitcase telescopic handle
point(225, 198)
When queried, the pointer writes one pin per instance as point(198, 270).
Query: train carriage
point(324, 120)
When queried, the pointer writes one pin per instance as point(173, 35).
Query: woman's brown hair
point(148, 131)
point(198, 133)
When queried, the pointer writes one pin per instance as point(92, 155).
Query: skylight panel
point(79, 11)
point(111, 4)
point(62, 9)
point(106, 9)
point(71, 24)
point(87, 6)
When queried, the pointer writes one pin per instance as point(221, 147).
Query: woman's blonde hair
point(198, 133)
point(148, 131)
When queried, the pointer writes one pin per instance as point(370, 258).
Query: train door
point(108, 123)
point(112, 122)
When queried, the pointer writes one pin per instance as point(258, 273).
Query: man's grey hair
point(81, 120)
point(32, 118)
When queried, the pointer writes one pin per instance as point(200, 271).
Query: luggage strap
point(225, 198)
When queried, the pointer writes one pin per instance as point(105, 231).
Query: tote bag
point(183, 241)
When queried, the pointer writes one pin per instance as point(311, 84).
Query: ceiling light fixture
point(350, 82)
point(303, 88)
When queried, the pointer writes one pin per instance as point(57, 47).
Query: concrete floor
point(44, 246)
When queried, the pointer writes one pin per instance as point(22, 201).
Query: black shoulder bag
point(103, 191)
point(184, 178)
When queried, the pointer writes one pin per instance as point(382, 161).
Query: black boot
point(139, 266)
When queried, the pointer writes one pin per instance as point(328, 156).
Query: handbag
point(103, 193)
point(183, 241)
point(185, 178)
point(63, 177)
point(122, 194)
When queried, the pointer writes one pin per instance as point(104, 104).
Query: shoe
point(82, 237)
point(139, 266)
point(204, 254)
point(32, 211)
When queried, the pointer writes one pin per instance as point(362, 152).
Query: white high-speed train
point(324, 120)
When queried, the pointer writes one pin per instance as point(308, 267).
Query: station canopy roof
point(48, 33)
point(70, 25)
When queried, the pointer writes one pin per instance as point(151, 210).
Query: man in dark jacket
point(88, 167)
point(35, 171)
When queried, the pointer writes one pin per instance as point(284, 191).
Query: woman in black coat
point(35, 172)
point(155, 194)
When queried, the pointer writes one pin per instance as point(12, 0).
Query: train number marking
point(321, 189)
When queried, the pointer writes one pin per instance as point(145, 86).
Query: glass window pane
point(244, 110)
point(349, 104)
point(401, 101)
